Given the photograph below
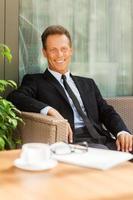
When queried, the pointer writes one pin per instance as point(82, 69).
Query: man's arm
point(24, 98)
point(107, 114)
point(113, 122)
point(54, 113)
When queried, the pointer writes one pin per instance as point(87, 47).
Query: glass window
point(102, 34)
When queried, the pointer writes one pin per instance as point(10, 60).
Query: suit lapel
point(85, 100)
point(54, 82)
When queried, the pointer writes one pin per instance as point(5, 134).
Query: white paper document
point(95, 158)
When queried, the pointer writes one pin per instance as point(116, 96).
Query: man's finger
point(70, 134)
point(53, 112)
point(126, 141)
point(118, 145)
point(122, 142)
point(131, 143)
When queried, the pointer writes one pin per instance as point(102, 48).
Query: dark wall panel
point(2, 8)
point(11, 38)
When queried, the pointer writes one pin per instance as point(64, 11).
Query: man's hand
point(124, 142)
point(53, 112)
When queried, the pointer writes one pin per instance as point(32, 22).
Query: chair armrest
point(124, 106)
point(41, 128)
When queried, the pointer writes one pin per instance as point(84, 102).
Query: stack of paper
point(95, 158)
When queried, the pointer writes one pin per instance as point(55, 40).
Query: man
point(74, 98)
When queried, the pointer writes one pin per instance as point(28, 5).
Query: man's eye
point(53, 50)
point(64, 49)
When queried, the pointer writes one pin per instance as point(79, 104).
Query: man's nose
point(60, 53)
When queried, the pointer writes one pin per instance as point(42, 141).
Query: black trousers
point(82, 135)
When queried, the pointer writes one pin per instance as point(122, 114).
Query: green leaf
point(8, 141)
point(2, 143)
point(9, 114)
point(5, 83)
point(18, 141)
point(5, 52)
point(12, 83)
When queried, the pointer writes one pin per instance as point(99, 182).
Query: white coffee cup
point(35, 153)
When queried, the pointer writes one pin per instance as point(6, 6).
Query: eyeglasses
point(62, 148)
point(81, 146)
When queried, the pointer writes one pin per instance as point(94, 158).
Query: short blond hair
point(53, 30)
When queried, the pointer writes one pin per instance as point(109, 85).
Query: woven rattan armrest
point(124, 106)
point(41, 128)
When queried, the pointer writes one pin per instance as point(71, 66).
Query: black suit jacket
point(40, 90)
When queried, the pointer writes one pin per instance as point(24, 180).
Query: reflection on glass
point(102, 39)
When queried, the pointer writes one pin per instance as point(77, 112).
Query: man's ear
point(44, 53)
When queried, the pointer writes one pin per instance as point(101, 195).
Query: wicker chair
point(40, 128)
point(124, 106)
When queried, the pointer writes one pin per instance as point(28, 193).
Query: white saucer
point(45, 165)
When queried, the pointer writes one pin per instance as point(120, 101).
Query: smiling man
point(58, 93)
point(58, 52)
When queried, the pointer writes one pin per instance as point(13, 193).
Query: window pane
point(102, 37)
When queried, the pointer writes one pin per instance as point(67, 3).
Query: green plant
point(5, 51)
point(8, 112)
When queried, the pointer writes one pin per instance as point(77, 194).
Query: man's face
point(58, 53)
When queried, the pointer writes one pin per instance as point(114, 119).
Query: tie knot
point(63, 77)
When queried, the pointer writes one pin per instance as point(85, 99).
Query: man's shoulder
point(86, 79)
point(33, 76)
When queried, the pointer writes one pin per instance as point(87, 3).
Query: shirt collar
point(57, 75)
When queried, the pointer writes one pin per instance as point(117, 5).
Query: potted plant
point(8, 112)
